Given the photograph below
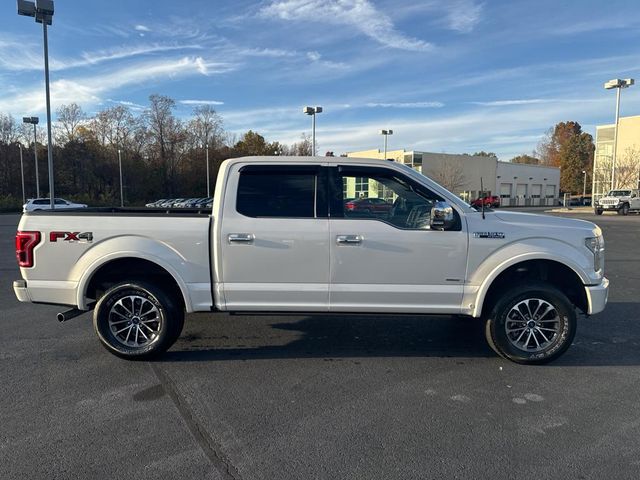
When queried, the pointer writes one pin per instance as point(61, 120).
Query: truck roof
point(305, 159)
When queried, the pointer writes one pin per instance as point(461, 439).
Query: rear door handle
point(241, 237)
point(349, 239)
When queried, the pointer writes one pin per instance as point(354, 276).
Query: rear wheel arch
point(118, 270)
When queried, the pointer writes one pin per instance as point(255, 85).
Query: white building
point(517, 184)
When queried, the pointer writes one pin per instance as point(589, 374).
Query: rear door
point(275, 238)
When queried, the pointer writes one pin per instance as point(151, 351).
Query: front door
point(275, 239)
point(389, 259)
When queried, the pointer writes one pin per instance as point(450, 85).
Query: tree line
point(162, 155)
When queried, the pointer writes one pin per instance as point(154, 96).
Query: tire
point(529, 347)
point(598, 211)
point(624, 210)
point(125, 310)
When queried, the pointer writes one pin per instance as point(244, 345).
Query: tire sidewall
point(558, 300)
point(101, 319)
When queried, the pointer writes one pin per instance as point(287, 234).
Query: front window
point(387, 197)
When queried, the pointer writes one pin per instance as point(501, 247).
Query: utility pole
point(24, 198)
point(121, 186)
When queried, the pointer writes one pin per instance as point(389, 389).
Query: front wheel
point(624, 210)
point(137, 320)
point(598, 211)
point(531, 324)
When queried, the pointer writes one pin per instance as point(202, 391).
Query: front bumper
point(608, 207)
point(597, 296)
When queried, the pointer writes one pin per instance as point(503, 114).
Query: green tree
point(252, 143)
point(482, 153)
point(525, 159)
point(568, 147)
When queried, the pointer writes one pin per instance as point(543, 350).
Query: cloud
point(87, 90)
point(314, 56)
point(507, 103)
point(359, 14)
point(142, 28)
point(462, 15)
point(126, 103)
point(406, 105)
point(16, 56)
point(201, 102)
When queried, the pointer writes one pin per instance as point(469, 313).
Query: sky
point(449, 76)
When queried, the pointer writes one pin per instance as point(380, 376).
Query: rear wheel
point(137, 320)
point(531, 324)
point(598, 211)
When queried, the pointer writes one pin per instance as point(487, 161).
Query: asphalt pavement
point(295, 397)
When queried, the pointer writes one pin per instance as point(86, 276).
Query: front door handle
point(241, 237)
point(349, 239)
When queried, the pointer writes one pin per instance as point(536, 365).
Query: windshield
point(619, 193)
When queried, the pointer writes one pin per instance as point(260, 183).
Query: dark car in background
point(376, 206)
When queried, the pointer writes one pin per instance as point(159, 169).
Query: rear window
point(276, 193)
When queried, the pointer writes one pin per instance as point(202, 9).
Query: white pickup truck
point(298, 234)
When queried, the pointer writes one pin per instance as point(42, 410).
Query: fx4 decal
point(71, 236)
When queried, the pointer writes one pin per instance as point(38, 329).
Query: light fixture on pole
point(584, 185)
point(208, 187)
point(386, 134)
point(24, 198)
point(618, 84)
point(34, 121)
point(121, 185)
point(312, 111)
point(42, 11)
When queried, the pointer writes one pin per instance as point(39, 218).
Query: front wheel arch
point(555, 273)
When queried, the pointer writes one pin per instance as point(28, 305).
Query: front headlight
point(596, 246)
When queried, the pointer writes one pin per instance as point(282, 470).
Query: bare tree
point(167, 138)
point(301, 148)
point(70, 117)
point(628, 168)
point(206, 127)
point(450, 174)
point(9, 130)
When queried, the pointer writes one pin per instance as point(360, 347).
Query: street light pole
point(208, 186)
point(24, 198)
point(48, 100)
point(34, 121)
point(584, 185)
point(312, 111)
point(43, 10)
point(121, 184)
point(386, 134)
point(618, 84)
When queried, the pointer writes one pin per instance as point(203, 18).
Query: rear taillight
point(25, 243)
point(350, 206)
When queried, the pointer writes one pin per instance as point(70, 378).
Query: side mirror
point(442, 217)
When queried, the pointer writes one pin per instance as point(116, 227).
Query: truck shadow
point(267, 337)
point(602, 340)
